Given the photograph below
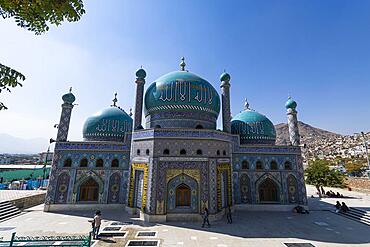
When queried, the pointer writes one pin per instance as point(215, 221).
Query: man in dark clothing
point(205, 217)
point(228, 215)
point(337, 207)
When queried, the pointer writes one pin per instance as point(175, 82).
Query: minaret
point(65, 117)
point(225, 96)
point(140, 81)
point(290, 105)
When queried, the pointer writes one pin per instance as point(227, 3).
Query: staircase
point(8, 210)
point(358, 215)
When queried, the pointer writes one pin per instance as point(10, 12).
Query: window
point(138, 152)
point(67, 162)
point(183, 152)
point(245, 165)
point(166, 151)
point(259, 165)
point(199, 126)
point(147, 152)
point(115, 163)
point(287, 165)
point(99, 163)
point(273, 165)
point(218, 153)
point(224, 152)
point(83, 162)
point(199, 152)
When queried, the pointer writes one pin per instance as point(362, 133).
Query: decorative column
point(140, 81)
point(294, 136)
point(225, 96)
point(65, 117)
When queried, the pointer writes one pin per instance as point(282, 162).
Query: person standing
point(205, 217)
point(96, 224)
point(228, 215)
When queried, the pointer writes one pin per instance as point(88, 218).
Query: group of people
point(206, 215)
point(332, 194)
point(341, 208)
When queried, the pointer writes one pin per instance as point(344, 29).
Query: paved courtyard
point(8, 195)
point(320, 227)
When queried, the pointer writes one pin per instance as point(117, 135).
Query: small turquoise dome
point(290, 104)
point(110, 124)
point(140, 73)
point(253, 128)
point(182, 91)
point(225, 77)
point(69, 98)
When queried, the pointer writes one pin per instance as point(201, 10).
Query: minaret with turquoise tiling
point(225, 97)
point(65, 117)
point(294, 136)
point(140, 81)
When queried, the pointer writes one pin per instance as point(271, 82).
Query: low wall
point(29, 201)
point(359, 184)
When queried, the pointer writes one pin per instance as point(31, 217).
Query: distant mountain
point(308, 134)
point(14, 145)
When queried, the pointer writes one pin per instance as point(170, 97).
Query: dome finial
point(115, 100)
point(70, 89)
point(130, 112)
point(246, 104)
point(182, 64)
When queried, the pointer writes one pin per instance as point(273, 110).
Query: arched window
point(83, 162)
point(224, 152)
point(67, 162)
point(115, 163)
point(99, 163)
point(273, 165)
point(199, 152)
point(147, 152)
point(199, 126)
point(166, 151)
point(259, 165)
point(287, 165)
point(157, 126)
point(183, 152)
point(245, 165)
point(138, 151)
point(218, 152)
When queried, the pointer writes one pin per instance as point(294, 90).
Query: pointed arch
point(268, 189)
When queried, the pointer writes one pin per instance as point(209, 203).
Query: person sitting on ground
point(341, 196)
point(344, 208)
point(337, 207)
point(338, 195)
point(327, 193)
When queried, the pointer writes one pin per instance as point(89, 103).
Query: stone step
point(357, 216)
point(8, 210)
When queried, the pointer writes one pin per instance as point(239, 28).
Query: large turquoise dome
point(181, 99)
point(110, 124)
point(253, 128)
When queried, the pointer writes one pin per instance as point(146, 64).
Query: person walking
point(205, 217)
point(96, 224)
point(228, 215)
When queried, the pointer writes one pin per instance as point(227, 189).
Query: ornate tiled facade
point(180, 163)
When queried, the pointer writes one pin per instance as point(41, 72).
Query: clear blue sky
point(316, 51)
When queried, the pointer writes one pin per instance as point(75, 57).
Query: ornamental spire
point(246, 104)
point(182, 64)
point(115, 100)
point(130, 112)
point(70, 89)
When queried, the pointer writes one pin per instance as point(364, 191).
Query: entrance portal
point(89, 191)
point(268, 191)
point(183, 196)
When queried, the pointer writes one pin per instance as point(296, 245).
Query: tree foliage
point(319, 174)
point(35, 16)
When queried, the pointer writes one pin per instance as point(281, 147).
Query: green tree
point(35, 16)
point(319, 174)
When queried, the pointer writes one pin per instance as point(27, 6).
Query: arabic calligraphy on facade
point(109, 125)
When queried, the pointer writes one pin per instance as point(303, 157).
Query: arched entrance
point(183, 196)
point(89, 191)
point(268, 191)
